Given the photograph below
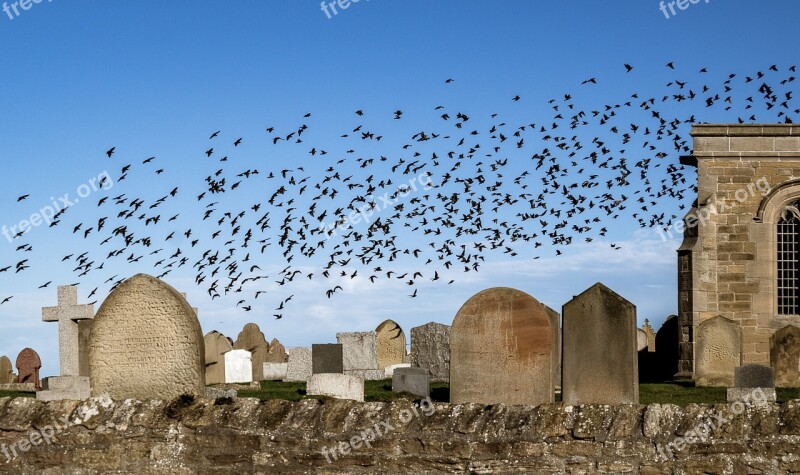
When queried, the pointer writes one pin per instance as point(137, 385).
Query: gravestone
point(360, 354)
point(6, 371)
point(785, 356)
point(339, 386)
point(430, 349)
point(391, 341)
point(651, 336)
point(641, 340)
point(667, 350)
point(749, 377)
point(327, 358)
point(501, 350)
point(555, 327)
point(718, 352)
point(600, 359)
point(68, 314)
point(275, 371)
point(277, 353)
point(28, 365)
point(299, 364)
point(84, 334)
point(216, 345)
point(252, 339)
point(238, 366)
point(146, 343)
point(416, 381)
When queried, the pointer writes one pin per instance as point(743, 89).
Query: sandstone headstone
point(785, 356)
point(277, 353)
point(252, 339)
point(327, 358)
point(360, 353)
point(339, 386)
point(275, 371)
point(600, 359)
point(146, 343)
point(28, 365)
point(414, 381)
point(299, 364)
point(238, 366)
point(216, 345)
point(68, 314)
point(718, 352)
point(391, 341)
point(501, 350)
point(651, 336)
point(641, 340)
point(430, 349)
point(6, 371)
point(555, 327)
point(84, 334)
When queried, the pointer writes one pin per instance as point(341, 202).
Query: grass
point(680, 393)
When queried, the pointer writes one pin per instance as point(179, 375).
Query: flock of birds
point(466, 188)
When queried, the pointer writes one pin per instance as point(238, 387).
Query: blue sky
point(156, 78)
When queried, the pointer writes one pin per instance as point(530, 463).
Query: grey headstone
point(600, 359)
point(327, 358)
point(299, 364)
point(360, 350)
point(785, 356)
point(430, 349)
point(416, 381)
point(754, 376)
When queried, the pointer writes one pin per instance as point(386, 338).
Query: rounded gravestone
point(252, 339)
point(391, 341)
point(6, 371)
point(28, 365)
point(277, 352)
point(501, 350)
point(146, 343)
point(216, 345)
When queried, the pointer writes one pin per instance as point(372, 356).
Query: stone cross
point(68, 314)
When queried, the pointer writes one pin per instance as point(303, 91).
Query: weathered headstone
point(718, 352)
point(501, 350)
point(275, 371)
point(28, 365)
point(430, 349)
point(84, 334)
point(327, 358)
point(391, 341)
point(416, 381)
point(252, 339)
point(785, 356)
point(641, 340)
point(651, 336)
point(216, 345)
point(555, 328)
point(277, 353)
point(6, 371)
point(299, 365)
point(600, 357)
point(238, 366)
point(360, 352)
point(68, 314)
point(749, 377)
point(339, 386)
point(146, 343)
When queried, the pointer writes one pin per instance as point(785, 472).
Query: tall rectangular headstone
point(430, 349)
point(360, 354)
point(600, 359)
point(718, 352)
point(501, 350)
point(299, 366)
point(785, 356)
point(327, 358)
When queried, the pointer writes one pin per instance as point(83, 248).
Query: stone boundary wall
point(249, 436)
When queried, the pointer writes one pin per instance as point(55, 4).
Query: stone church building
point(740, 256)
